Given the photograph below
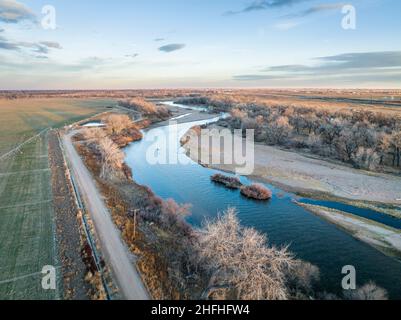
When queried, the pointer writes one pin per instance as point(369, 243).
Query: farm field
point(23, 118)
point(27, 228)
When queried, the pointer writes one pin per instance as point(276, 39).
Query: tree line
point(362, 137)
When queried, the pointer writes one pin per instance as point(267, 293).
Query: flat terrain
point(23, 118)
point(377, 235)
point(113, 247)
point(26, 223)
point(27, 220)
point(295, 172)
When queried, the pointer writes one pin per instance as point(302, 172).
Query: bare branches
point(93, 134)
point(240, 263)
point(112, 158)
point(256, 191)
point(116, 123)
point(369, 291)
point(145, 107)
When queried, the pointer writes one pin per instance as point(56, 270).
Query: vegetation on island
point(229, 182)
point(256, 191)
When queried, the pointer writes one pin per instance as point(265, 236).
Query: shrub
point(256, 191)
point(146, 108)
point(369, 291)
point(93, 133)
point(116, 123)
point(229, 182)
point(173, 213)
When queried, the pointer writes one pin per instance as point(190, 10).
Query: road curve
point(115, 252)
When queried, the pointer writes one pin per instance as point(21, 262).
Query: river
point(309, 237)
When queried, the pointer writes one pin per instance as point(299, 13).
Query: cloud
point(134, 55)
point(8, 46)
point(159, 39)
point(51, 44)
point(315, 9)
point(41, 57)
point(363, 66)
point(255, 77)
point(42, 47)
point(258, 5)
point(12, 11)
point(345, 62)
point(172, 47)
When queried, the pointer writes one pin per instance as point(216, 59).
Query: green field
point(27, 230)
point(23, 118)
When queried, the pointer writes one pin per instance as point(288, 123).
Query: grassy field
point(23, 118)
point(27, 230)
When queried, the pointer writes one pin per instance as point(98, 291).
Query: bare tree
point(279, 130)
point(396, 144)
point(173, 213)
point(369, 291)
point(301, 279)
point(112, 158)
point(116, 123)
point(383, 146)
point(93, 134)
point(366, 158)
point(346, 145)
point(145, 107)
point(239, 262)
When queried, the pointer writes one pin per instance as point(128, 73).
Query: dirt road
point(116, 254)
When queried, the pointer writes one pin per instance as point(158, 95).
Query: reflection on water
point(285, 223)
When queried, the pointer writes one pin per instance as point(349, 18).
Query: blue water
point(365, 213)
point(284, 223)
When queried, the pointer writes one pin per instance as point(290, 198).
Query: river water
point(309, 237)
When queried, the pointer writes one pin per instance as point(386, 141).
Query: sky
point(136, 44)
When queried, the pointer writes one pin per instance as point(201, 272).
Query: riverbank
point(300, 174)
point(190, 183)
point(383, 238)
point(154, 244)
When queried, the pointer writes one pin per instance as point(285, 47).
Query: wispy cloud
point(361, 65)
point(256, 77)
point(133, 55)
point(172, 47)
point(42, 47)
point(51, 44)
point(346, 61)
point(159, 39)
point(12, 11)
point(315, 9)
point(258, 5)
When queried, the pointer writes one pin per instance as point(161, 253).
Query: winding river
point(309, 237)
